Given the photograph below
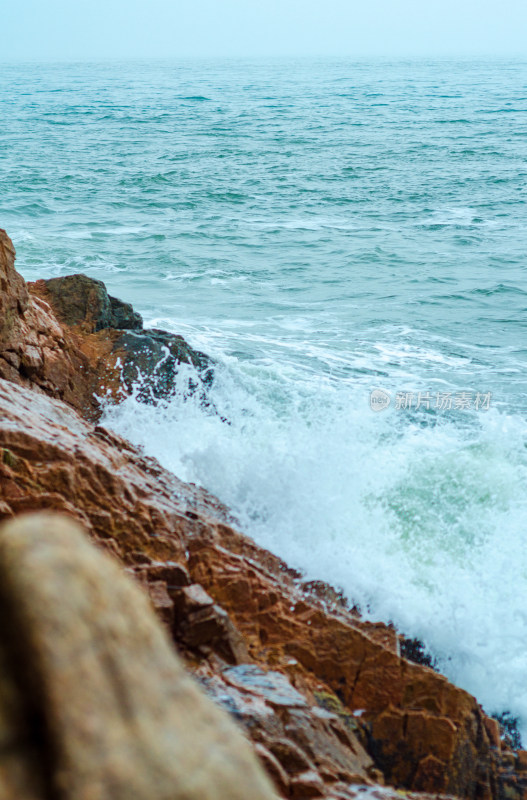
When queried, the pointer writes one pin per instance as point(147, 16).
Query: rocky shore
point(94, 701)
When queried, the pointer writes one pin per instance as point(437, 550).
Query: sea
point(347, 239)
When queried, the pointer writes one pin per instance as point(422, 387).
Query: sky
point(100, 29)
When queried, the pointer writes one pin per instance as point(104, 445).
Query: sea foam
point(419, 519)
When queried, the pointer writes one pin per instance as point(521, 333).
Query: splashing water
point(420, 522)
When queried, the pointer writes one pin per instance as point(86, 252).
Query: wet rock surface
point(272, 686)
point(151, 360)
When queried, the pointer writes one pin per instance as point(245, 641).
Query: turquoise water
point(324, 229)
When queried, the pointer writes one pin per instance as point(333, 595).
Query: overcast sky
point(70, 29)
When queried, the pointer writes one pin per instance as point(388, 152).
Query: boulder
point(105, 708)
point(150, 361)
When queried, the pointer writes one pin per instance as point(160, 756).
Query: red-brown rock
point(34, 349)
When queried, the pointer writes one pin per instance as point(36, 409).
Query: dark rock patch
point(150, 359)
point(80, 300)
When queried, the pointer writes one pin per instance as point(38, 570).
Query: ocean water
point(324, 229)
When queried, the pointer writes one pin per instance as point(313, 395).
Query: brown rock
point(191, 599)
point(508, 758)
point(307, 784)
point(33, 348)
point(292, 758)
point(492, 728)
point(56, 460)
point(521, 761)
point(174, 575)
point(337, 650)
point(120, 717)
point(161, 601)
point(98, 349)
point(299, 737)
point(431, 774)
point(14, 297)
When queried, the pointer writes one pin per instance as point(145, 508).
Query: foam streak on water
point(323, 229)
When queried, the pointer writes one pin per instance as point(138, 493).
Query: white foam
point(422, 525)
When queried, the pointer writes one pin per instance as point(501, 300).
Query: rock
point(273, 768)
point(200, 623)
point(84, 301)
point(408, 711)
point(22, 773)
point(511, 785)
point(68, 338)
point(161, 601)
point(521, 761)
point(308, 784)
point(191, 599)
point(124, 356)
point(118, 716)
point(272, 686)
point(298, 739)
point(34, 350)
point(173, 574)
point(431, 774)
point(123, 316)
point(492, 729)
point(58, 461)
point(150, 361)
point(14, 297)
point(293, 759)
